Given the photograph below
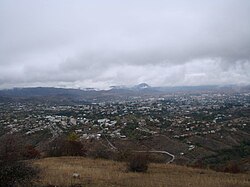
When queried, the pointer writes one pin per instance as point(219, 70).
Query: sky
point(98, 44)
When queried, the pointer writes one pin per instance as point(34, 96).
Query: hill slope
point(58, 171)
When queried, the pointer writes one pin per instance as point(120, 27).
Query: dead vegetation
point(95, 172)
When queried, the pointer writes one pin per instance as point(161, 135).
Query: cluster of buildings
point(176, 116)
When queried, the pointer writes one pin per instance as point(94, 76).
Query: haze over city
point(99, 44)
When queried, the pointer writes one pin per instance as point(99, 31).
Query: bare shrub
point(66, 147)
point(14, 148)
point(11, 147)
point(13, 171)
point(232, 167)
point(138, 163)
point(30, 152)
point(16, 174)
point(73, 148)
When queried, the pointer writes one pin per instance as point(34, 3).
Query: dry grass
point(58, 171)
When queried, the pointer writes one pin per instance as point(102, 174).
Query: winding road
point(161, 152)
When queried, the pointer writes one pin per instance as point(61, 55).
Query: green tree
point(73, 137)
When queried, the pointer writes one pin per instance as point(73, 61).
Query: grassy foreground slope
point(58, 172)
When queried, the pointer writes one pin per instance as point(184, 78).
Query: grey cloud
point(97, 43)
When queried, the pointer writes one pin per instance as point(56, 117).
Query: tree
point(73, 137)
point(11, 147)
point(13, 170)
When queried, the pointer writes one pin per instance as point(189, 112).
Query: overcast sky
point(97, 43)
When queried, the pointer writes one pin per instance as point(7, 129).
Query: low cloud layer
point(103, 43)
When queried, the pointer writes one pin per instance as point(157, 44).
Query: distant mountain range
point(136, 87)
point(115, 92)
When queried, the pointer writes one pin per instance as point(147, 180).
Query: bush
point(232, 167)
point(30, 152)
point(138, 163)
point(16, 174)
point(74, 148)
point(65, 147)
point(13, 171)
point(11, 147)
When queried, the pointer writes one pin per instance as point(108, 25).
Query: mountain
point(90, 89)
point(142, 86)
point(115, 93)
point(118, 87)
